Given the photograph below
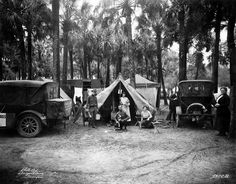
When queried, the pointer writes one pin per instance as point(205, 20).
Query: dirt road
point(98, 156)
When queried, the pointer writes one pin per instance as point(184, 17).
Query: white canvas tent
point(147, 88)
point(109, 98)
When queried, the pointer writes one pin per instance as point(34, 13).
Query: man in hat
point(92, 105)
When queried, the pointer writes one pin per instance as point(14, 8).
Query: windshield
point(195, 89)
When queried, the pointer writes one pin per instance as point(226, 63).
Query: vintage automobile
point(29, 105)
point(195, 102)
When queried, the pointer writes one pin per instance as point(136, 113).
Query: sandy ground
point(84, 155)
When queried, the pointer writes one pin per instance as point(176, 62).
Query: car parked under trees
point(28, 106)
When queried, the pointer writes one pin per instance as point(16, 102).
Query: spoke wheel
point(29, 125)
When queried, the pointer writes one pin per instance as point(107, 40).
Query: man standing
point(172, 108)
point(92, 105)
point(223, 112)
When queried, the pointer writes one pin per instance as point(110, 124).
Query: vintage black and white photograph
point(117, 91)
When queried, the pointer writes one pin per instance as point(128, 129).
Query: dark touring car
point(195, 100)
point(29, 105)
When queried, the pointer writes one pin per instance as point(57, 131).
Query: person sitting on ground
point(121, 118)
point(146, 117)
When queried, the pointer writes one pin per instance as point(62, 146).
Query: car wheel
point(29, 125)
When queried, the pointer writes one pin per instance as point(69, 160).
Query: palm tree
point(12, 11)
point(84, 37)
point(36, 16)
point(1, 50)
point(127, 10)
point(69, 9)
point(154, 15)
point(217, 26)
point(232, 51)
point(56, 57)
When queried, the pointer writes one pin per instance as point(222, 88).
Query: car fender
point(39, 115)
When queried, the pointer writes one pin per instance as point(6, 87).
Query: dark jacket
point(92, 101)
point(173, 104)
point(224, 102)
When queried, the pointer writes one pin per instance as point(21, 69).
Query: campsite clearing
point(83, 155)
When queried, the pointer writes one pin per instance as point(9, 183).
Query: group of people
point(222, 111)
point(121, 118)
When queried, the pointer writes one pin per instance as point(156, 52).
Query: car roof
point(24, 83)
point(195, 81)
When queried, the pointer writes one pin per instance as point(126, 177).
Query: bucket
point(98, 116)
point(178, 110)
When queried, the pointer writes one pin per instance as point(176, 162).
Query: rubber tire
point(37, 124)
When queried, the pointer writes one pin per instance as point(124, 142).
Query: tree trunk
point(98, 67)
point(159, 64)
point(55, 27)
point(65, 57)
point(85, 63)
point(71, 63)
point(183, 46)
point(22, 49)
point(232, 53)
point(119, 61)
point(164, 89)
point(89, 67)
point(130, 50)
point(216, 47)
point(108, 72)
point(146, 63)
point(39, 54)
point(29, 40)
point(1, 63)
point(197, 65)
point(1, 53)
point(196, 75)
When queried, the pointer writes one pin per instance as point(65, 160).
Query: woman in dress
point(146, 118)
point(124, 102)
point(223, 112)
